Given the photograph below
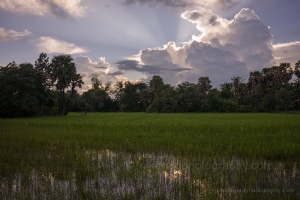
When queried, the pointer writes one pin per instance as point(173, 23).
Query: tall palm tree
point(236, 82)
point(62, 71)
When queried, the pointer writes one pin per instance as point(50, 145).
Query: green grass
point(74, 149)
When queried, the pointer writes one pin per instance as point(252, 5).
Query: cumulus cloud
point(220, 65)
point(7, 34)
point(101, 69)
point(222, 49)
point(52, 45)
point(287, 52)
point(154, 62)
point(228, 48)
point(60, 8)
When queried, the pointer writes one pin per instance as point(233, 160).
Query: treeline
point(48, 88)
point(268, 90)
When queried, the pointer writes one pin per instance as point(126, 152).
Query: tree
point(95, 83)
point(98, 98)
point(297, 69)
point(19, 90)
point(132, 97)
point(283, 99)
point(277, 76)
point(76, 81)
point(43, 67)
point(255, 80)
point(164, 100)
point(203, 88)
point(62, 70)
point(187, 99)
point(155, 83)
point(226, 91)
point(236, 82)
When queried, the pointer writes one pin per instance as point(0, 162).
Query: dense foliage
point(269, 90)
point(27, 90)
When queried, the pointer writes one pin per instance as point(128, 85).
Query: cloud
point(102, 69)
point(60, 8)
point(226, 4)
point(223, 49)
point(117, 73)
point(245, 36)
point(86, 64)
point(52, 45)
point(186, 4)
point(133, 65)
point(287, 52)
point(7, 34)
point(154, 62)
point(168, 3)
point(220, 65)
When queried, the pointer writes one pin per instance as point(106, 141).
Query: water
point(116, 175)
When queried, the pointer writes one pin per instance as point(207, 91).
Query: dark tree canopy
point(49, 88)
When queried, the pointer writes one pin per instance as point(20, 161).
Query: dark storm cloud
point(128, 65)
point(101, 67)
point(117, 73)
point(133, 65)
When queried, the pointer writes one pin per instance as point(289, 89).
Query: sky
point(179, 40)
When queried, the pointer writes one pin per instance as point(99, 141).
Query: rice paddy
point(151, 156)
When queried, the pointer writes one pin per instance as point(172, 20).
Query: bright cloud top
point(60, 8)
point(6, 34)
point(51, 45)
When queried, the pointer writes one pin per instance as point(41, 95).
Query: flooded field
point(151, 156)
point(111, 175)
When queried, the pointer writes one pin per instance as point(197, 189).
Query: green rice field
point(151, 156)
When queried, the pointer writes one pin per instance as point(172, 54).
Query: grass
point(148, 156)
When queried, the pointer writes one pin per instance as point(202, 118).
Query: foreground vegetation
point(151, 156)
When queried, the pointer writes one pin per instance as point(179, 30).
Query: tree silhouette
point(62, 69)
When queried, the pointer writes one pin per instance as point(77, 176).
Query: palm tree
point(62, 71)
point(236, 82)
